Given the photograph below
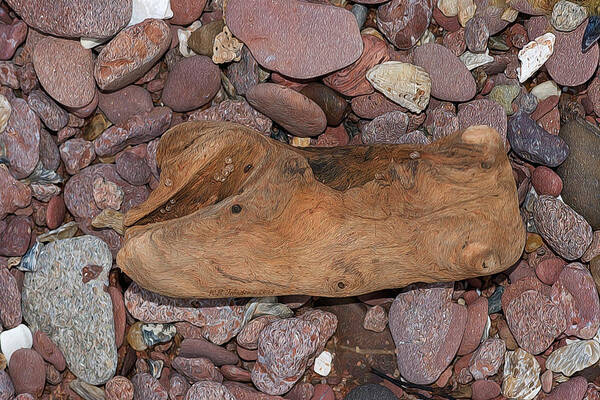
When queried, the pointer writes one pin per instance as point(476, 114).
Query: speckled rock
point(53, 116)
point(209, 390)
point(483, 112)
point(373, 105)
point(330, 42)
point(248, 336)
point(201, 40)
point(77, 154)
point(450, 79)
point(94, 19)
point(566, 16)
point(123, 104)
point(11, 36)
point(292, 110)
point(15, 194)
point(49, 153)
point(146, 387)
point(118, 388)
point(7, 390)
point(193, 348)
point(15, 237)
point(27, 372)
point(79, 267)
point(521, 375)
point(477, 315)
point(10, 301)
point(504, 95)
point(441, 122)
point(376, 319)
point(404, 22)
point(574, 357)
point(178, 386)
point(567, 232)
point(238, 111)
point(427, 329)
point(197, 369)
point(130, 54)
point(64, 69)
point(488, 359)
point(549, 270)
point(186, 11)
point(192, 83)
point(387, 128)
point(21, 139)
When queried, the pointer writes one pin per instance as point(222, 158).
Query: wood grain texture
point(326, 221)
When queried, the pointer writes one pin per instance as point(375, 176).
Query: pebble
point(477, 314)
point(532, 143)
point(387, 128)
point(65, 70)
point(546, 89)
point(450, 24)
point(186, 11)
point(370, 391)
point(535, 54)
point(549, 270)
point(376, 319)
point(268, 26)
point(209, 390)
point(569, 66)
point(562, 228)
point(235, 373)
point(10, 301)
point(146, 387)
point(7, 390)
point(333, 105)
point(405, 84)
point(27, 372)
point(16, 236)
point(427, 329)
point(131, 53)
point(133, 168)
point(485, 390)
point(49, 350)
point(474, 60)
point(404, 22)
point(53, 116)
point(521, 375)
point(574, 357)
point(373, 105)
point(450, 78)
point(15, 195)
point(295, 112)
point(245, 73)
point(580, 173)
point(192, 83)
point(197, 369)
point(238, 111)
point(178, 386)
point(546, 181)
point(248, 336)
point(11, 36)
point(135, 338)
point(455, 42)
point(21, 139)
point(573, 389)
point(351, 81)
point(15, 339)
point(201, 40)
point(476, 34)
point(593, 250)
point(567, 16)
point(123, 104)
point(77, 154)
point(81, 276)
point(483, 112)
point(193, 348)
point(488, 359)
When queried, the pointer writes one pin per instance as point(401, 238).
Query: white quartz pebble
point(14, 339)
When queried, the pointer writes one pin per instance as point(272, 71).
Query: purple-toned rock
point(373, 105)
point(133, 168)
point(123, 104)
point(194, 348)
point(248, 336)
point(87, 110)
point(8, 75)
point(55, 212)
point(330, 42)
point(532, 143)
point(132, 53)
point(238, 111)
point(476, 34)
point(546, 182)
point(27, 372)
point(295, 112)
point(568, 65)
point(77, 154)
point(49, 153)
point(7, 390)
point(491, 13)
point(301, 391)
point(192, 83)
point(548, 270)
point(573, 389)
point(119, 388)
point(404, 22)
point(567, 232)
point(15, 238)
point(242, 391)
point(146, 387)
point(178, 386)
point(94, 19)
point(485, 390)
point(477, 315)
point(10, 301)
point(197, 369)
point(450, 78)
point(107, 194)
point(15, 195)
point(427, 329)
point(51, 114)
point(387, 128)
point(49, 350)
point(333, 105)
point(186, 11)
point(11, 37)
point(325, 321)
point(455, 42)
point(64, 69)
point(245, 73)
point(235, 373)
point(28, 80)
point(140, 128)
point(483, 112)
point(376, 319)
point(535, 321)
point(488, 359)
point(21, 139)
point(209, 390)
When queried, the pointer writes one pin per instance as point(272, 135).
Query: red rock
point(323, 392)
point(477, 314)
point(119, 314)
point(248, 336)
point(485, 390)
point(243, 392)
point(593, 250)
point(146, 387)
point(209, 390)
point(455, 42)
point(53, 116)
point(15, 238)
point(551, 121)
point(131, 53)
point(123, 104)
point(10, 301)
point(549, 270)
point(387, 128)
point(372, 105)
point(296, 84)
point(178, 387)
point(11, 37)
point(186, 11)
point(332, 137)
point(450, 78)
point(568, 66)
point(247, 355)
point(573, 389)
point(333, 105)
point(192, 83)
point(301, 391)
point(404, 22)
point(483, 112)
point(64, 69)
point(376, 319)
point(427, 329)
point(326, 323)
point(450, 24)
point(197, 369)
point(477, 34)
point(235, 373)
point(535, 321)
point(133, 168)
point(194, 348)
point(21, 139)
point(461, 369)
point(238, 111)
point(28, 80)
point(351, 81)
point(491, 12)
point(87, 110)
point(77, 154)
point(49, 350)
point(15, 194)
point(27, 372)
point(330, 42)
point(546, 181)
point(292, 110)
point(55, 212)
point(488, 359)
point(118, 388)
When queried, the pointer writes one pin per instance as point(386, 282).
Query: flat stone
point(49, 350)
point(27, 372)
point(235, 373)
point(579, 172)
point(485, 390)
point(15, 195)
point(193, 348)
point(132, 53)
point(79, 267)
point(491, 12)
point(10, 301)
point(573, 389)
point(122, 104)
point(549, 270)
point(53, 116)
point(477, 314)
point(483, 112)
point(404, 22)
point(7, 390)
point(372, 105)
point(197, 369)
point(94, 19)
point(21, 139)
point(546, 181)
point(330, 42)
point(476, 34)
point(292, 110)
point(574, 357)
point(487, 360)
point(521, 375)
point(450, 78)
point(133, 167)
point(15, 238)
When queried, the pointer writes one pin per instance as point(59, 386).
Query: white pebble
point(323, 363)
point(545, 90)
point(535, 54)
point(144, 9)
point(184, 35)
point(15, 339)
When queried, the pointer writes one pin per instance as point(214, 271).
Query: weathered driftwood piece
point(239, 214)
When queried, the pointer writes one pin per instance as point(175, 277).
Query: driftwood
point(239, 214)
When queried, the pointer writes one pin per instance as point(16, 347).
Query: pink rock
point(77, 154)
point(119, 314)
point(373, 105)
point(86, 110)
point(247, 355)
point(549, 270)
point(235, 373)
point(244, 392)
point(15, 194)
point(248, 336)
point(55, 212)
point(551, 121)
point(178, 387)
point(53, 116)
point(375, 319)
point(49, 350)
point(27, 372)
point(28, 80)
point(301, 391)
point(7, 390)
point(15, 238)
point(119, 388)
point(323, 392)
point(594, 249)
point(516, 288)
point(461, 369)
point(197, 369)
point(146, 387)
point(209, 390)
point(485, 390)
point(123, 104)
point(238, 111)
point(488, 359)
point(194, 348)
point(483, 112)
point(10, 301)
point(11, 37)
point(404, 22)
point(332, 137)
point(386, 129)
point(546, 379)
point(133, 168)
point(573, 389)
point(186, 11)
point(477, 314)
point(21, 139)
point(455, 42)
point(546, 181)
point(450, 24)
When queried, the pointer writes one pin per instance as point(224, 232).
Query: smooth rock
point(15, 238)
point(549, 270)
point(387, 128)
point(21, 139)
point(373, 105)
point(201, 40)
point(15, 195)
point(77, 154)
point(235, 373)
point(476, 34)
point(333, 105)
point(186, 11)
point(133, 168)
point(404, 22)
point(79, 267)
point(192, 82)
point(49, 350)
point(197, 369)
point(7, 390)
point(209, 390)
point(488, 359)
point(194, 348)
point(330, 42)
point(474, 60)
point(146, 387)
point(51, 114)
point(238, 111)
point(477, 313)
point(15, 339)
point(546, 181)
point(245, 73)
point(27, 372)
point(535, 54)
point(123, 104)
point(10, 301)
point(521, 375)
point(574, 357)
point(567, 16)
point(573, 389)
point(485, 390)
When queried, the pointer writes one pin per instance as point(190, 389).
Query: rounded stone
point(477, 315)
point(476, 35)
point(549, 270)
point(450, 78)
point(373, 105)
point(122, 104)
point(27, 372)
point(403, 22)
point(118, 388)
point(387, 128)
point(546, 181)
point(64, 69)
point(49, 350)
point(295, 112)
point(192, 83)
point(573, 389)
point(485, 390)
point(186, 11)
point(483, 112)
point(370, 391)
point(133, 168)
point(333, 105)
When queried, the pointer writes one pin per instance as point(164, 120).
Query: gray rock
point(65, 299)
point(371, 391)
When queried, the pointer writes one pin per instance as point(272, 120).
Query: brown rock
point(551, 121)
point(15, 194)
point(202, 40)
point(186, 11)
point(455, 42)
point(197, 369)
point(573, 389)
point(123, 104)
point(351, 81)
point(332, 137)
point(10, 301)
point(292, 110)
point(118, 388)
point(483, 112)
point(330, 42)
point(27, 372)
point(21, 139)
point(333, 105)
point(49, 350)
point(477, 315)
point(77, 154)
point(194, 348)
point(64, 69)
point(119, 314)
point(546, 181)
point(404, 22)
point(87, 110)
point(372, 105)
point(476, 34)
point(245, 73)
point(15, 238)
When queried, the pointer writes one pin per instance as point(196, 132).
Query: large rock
point(295, 38)
point(65, 298)
point(89, 18)
point(580, 172)
point(123, 104)
point(404, 22)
